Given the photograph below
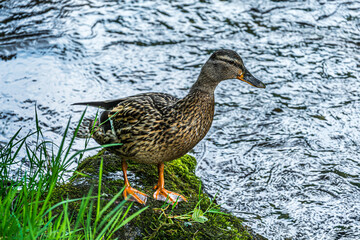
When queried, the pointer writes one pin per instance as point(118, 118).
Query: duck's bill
point(250, 79)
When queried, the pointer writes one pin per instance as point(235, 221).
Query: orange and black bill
point(250, 79)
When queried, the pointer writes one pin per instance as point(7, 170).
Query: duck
point(155, 128)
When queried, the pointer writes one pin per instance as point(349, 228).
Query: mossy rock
point(152, 223)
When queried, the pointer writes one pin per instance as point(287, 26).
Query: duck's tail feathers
point(109, 104)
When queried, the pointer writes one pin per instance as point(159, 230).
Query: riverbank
point(199, 218)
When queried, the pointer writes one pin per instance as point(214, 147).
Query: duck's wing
point(136, 122)
point(142, 107)
point(161, 100)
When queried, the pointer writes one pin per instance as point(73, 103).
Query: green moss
point(179, 177)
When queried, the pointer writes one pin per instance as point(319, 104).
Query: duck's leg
point(161, 193)
point(135, 194)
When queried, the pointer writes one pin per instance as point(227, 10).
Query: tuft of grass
point(26, 207)
point(196, 215)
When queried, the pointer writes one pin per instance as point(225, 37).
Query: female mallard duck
point(156, 127)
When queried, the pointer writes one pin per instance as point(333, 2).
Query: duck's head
point(223, 65)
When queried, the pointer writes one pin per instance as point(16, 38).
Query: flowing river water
point(286, 159)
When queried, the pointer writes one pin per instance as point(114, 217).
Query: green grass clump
point(27, 206)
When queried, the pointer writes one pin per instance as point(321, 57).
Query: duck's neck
point(200, 100)
point(200, 96)
point(205, 84)
point(196, 112)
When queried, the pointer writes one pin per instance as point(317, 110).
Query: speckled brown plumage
point(156, 127)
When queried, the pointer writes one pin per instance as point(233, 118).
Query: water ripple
point(285, 159)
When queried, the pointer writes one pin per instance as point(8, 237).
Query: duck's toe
point(131, 194)
point(162, 194)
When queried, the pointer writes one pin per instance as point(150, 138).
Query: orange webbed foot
point(162, 194)
point(135, 195)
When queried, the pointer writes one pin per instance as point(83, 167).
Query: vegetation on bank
point(28, 208)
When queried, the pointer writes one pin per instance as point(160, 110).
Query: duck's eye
point(231, 62)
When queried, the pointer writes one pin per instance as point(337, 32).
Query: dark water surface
point(286, 159)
